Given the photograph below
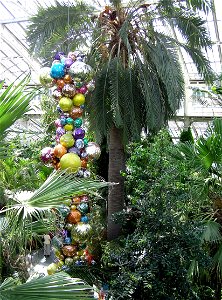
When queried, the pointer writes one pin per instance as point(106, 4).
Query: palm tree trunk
point(116, 192)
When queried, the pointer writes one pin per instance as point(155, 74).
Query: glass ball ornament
point(68, 127)
point(59, 55)
point(83, 89)
point(67, 240)
point(69, 90)
point(84, 219)
point(74, 216)
point(60, 83)
point(79, 133)
point(69, 121)
point(84, 163)
point(76, 200)
point(90, 86)
point(79, 143)
point(65, 104)
point(69, 250)
point(52, 268)
point(74, 150)
point(59, 150)
point(68, 62)
point(45, 79)
point(72, 55)
point(78, 99)
point(60, 131)
point(80, 231)
point(93, 150)
point(70, 162)
point(76, 112)
point(57, 71)
point(83, 207)
point(84, 155)
point(84, 198)
point(86, 141)
point(57, 242)
point(67, 140)
point(56, 94)
point(63, 121)
point(58, 123)
point(46, 154)
point(69, 261)
point(86, 174)
point(67, 78)
point(63, 210)
point(78, 122)
point(81, 70)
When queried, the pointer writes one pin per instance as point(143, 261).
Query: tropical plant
point(204, 159)
point(152, 260)
point(58, 286)
point(139, 81)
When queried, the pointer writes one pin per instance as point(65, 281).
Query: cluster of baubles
point(72, 152)
point(73, 79)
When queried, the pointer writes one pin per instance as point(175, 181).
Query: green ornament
point(78, 122)
point(86, 141)
point(69, 121)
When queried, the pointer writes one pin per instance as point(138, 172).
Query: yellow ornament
point(79, 99)
point(68, 127)
point(71, 162)
point(67, 140)
point(65, 103)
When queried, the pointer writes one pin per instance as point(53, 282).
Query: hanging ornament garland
point(72, 79)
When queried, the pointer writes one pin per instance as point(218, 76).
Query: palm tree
point(139, 80)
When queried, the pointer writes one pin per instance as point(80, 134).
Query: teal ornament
point(83, 208)
point(69, 121)
point(78, 122)
point(86, 141)
point(63, 210)
point(67, 241)
point(57, 242)
point(63, 121)
point(57, 71)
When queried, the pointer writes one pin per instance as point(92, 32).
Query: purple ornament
point(60, 131)
point(74, 150)
point(79, 143)
point(57, 139)
point(58, 123)
point(59, 55)
point(46, 154)
point(68, 62)
point(83, 89)
point(79, 133)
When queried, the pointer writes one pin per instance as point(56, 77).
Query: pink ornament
point(46, 154)
point(58, 123)
point(83, 89)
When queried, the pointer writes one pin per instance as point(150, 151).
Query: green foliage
point(186, 136)
point(152, 261)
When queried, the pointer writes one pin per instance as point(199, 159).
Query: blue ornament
point(79, 143)
point(57, 71)
point(64, 210)
point(63, 121)
point(84, 219)
point(67, 240)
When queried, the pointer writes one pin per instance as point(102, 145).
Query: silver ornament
point(81, 70)
point(93, 150)
point(69, 90)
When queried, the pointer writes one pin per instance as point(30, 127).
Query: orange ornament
point(59, 150)
point(76, 112)
point(74, 216)
point(69, 250)
point(67, 78)
point(83, 163)
point(60, 83)
point(76, 200)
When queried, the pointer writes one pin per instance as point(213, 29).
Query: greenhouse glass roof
point(15, 59)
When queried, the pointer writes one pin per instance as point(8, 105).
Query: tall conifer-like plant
point(139, 80)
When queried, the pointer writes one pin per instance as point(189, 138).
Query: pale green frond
point(211, 232)
point(217, 260)
point(193, 269)
point(57, 286)
point(57, 187)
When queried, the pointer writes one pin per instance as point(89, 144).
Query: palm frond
point(57, 286)
point(211, 232)
point(217, 260)
point(47, 22)
point(14, 103)
point(55, 189)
